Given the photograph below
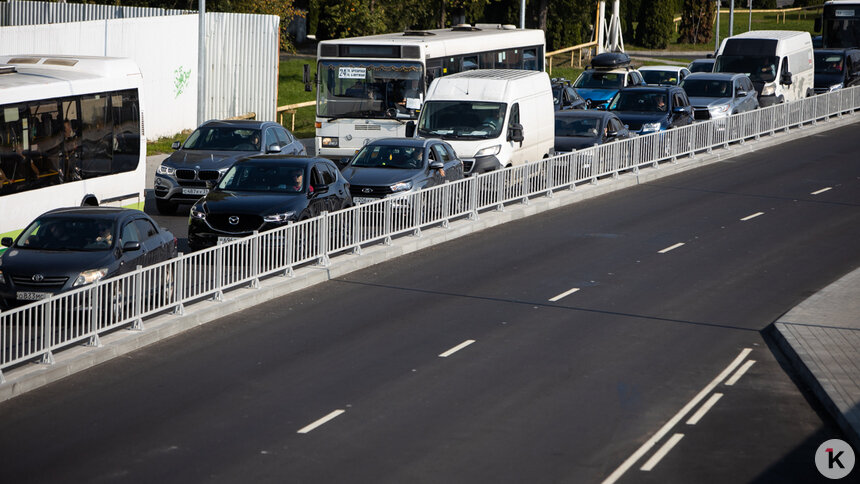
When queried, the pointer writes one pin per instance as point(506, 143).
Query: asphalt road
point(344, 382)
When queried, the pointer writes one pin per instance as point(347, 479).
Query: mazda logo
point(366, 190)
point(38, 278)
point(234, 220)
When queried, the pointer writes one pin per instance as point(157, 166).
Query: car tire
point(166, 207)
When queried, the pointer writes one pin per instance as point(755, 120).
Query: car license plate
point(224, 240)
point(194, 191)
point(32, 296)
point(364, 199)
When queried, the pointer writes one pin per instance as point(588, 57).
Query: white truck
point(780, 63)
point(493, 118)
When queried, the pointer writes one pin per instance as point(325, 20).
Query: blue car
point(607, 74)
point(651, 109)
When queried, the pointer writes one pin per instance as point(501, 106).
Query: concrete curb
point(31, 376)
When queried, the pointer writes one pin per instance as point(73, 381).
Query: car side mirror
point(306, 77)
point(175, 145)
point(601, 107)
point(273, 148)
point(319, 189)
point(6, 241)
point(680, 110)
point(436, 165)
point(515, 133)
point(410, 129)
point(131, 246)
point(785, 79)
point(742, 93)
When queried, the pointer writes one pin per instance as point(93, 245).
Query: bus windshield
point(841, 25)
point(356, 89)
point(759, 68)
point(462, 120)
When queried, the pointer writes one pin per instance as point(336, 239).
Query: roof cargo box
point(610, 60)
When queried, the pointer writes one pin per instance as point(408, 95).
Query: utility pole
point(717, 35)
point(522, 14)
point(731, 18)
point(201, 62)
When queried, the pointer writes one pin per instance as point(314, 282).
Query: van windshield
point(462, 119)
point(759, 68)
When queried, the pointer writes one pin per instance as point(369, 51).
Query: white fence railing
point(37, 330)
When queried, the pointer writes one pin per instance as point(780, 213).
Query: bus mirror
point(306, 77)
point(410, 129)
point(817, 27)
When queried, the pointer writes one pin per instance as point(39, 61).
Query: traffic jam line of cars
point(241, 177)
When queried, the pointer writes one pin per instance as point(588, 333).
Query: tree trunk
point(543, 7)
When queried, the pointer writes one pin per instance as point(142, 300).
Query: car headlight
point(166, 170)
point(198, 211)
point(836, 87)
point(489, 151)
point(279, 217)
point(401, 187)
point(649, 127)
point(330, 142)
point(89, 277)
point(768, 90)
point(720, 109)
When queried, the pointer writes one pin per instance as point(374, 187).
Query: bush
point(655, 25)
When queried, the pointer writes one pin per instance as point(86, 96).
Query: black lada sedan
point(71, 247)
point(265, 192)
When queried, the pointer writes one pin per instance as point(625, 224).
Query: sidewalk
point(821, 337)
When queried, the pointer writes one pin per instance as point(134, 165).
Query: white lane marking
point(737, 376)
point(457, 348)
point(817, 192)
point(667, 249)
point(564, 294)
point(321, 421)
point(655, 459)
point(750, 217)
point(674, 420)
point(704, 409)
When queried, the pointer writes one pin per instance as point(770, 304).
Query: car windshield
point(660, 77)
point(707, 88)
point(68, 233)
point(599, 80)
point(588, 127)
point(353, 89)
point(252, 177)
point(759, 68)
point(639, 101)
point(397, 157)
point(461, 119)
point(704, 66)
point(828, 63)
point(223, 139)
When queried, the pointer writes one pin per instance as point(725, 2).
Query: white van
point(780, 63)
point(494, 118)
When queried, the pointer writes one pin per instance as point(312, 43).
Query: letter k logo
point(831, 459)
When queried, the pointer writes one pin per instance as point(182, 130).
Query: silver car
point(720, 94)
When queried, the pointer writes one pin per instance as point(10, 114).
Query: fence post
point(323, 239)
point(137, 325)
point(47, 334)
point(178, 283)
point(219, 274)
point(386, 215)
point(472, 186)
point(500, 188)
point(417, 204)
point(524, 170)
point(255, 259)
point(446, 203)
point(356, 227)
point(550, 168)
point(290, 247)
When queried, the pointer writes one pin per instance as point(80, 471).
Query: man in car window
point(661, 102)
point(297, 180)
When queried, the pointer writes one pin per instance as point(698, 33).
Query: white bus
point(71, 134)
point(370, 87)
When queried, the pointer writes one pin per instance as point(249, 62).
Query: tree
point(655, 25)
point(281, 8)
point(697, 22)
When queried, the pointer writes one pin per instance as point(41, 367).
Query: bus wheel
point(166, 207)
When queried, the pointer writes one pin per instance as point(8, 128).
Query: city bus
point(71, 134)
point(371, 87)
point(840, 20)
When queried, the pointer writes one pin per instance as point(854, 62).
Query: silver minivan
point(717, 95)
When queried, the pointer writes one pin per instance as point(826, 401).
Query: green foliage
point(655, 25)
point(697, 21)
point(281, 8)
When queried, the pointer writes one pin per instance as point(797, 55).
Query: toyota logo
point(234, 220)
point(366, 190)
point(38, 278)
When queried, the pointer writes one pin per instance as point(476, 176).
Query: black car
point(836, 69)
point(191, 171)
point(391, 166)
point(702, 65)
point(70, 247)
point(575, 130)
point(564, 96)
point(265, 192)
point(651, 109)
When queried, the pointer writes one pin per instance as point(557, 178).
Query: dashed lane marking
point(704, 409)
point(750, 217)
point(564, 295)
point(457, 348)
point(818, 192)
point(738, 374)
point(671, 247)
point(321, 421)
point(658, 456)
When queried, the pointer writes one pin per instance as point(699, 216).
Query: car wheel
point(166, 207)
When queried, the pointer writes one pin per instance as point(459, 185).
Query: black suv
point(836, 69)
point(565, 97)
point(191, 171)
point(646, 109)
